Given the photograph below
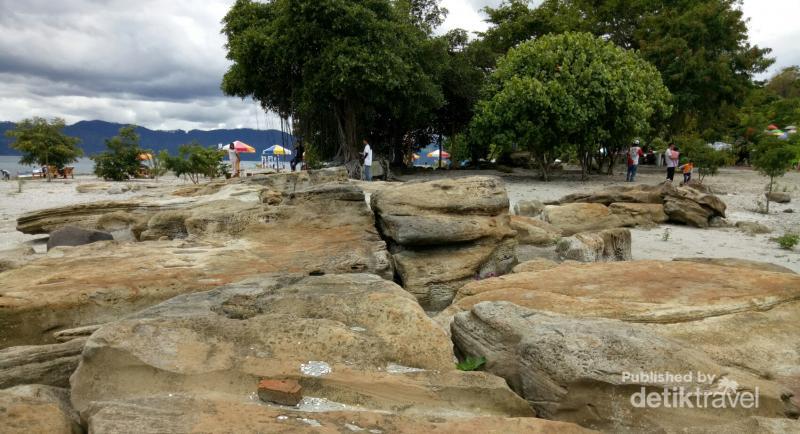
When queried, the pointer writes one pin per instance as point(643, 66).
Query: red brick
point(285, 392)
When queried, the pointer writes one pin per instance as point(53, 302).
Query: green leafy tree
point(121, 161)
point(707, 159)
point(567, 90)
point(196, 161)
point(43, 143)
point(700, 47)
point(773, 158)
point(342, 69)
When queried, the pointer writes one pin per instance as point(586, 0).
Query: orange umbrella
point(145, 156)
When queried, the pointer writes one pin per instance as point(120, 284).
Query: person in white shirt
point(633, 160)
point(234, 157)
point(366, 155)
point(671, 155)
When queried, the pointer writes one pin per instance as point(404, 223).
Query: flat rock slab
point(356, 339)
point(220, 237)
point(37, 409)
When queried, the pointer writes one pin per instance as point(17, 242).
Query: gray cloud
point(159, 63)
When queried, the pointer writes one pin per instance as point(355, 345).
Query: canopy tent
point(276, 150)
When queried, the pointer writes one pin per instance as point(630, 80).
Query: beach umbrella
point(415, 157)
point(435, 154)
point(145, 156)
point(772, 127)
point(243, 147)
point(277, 150)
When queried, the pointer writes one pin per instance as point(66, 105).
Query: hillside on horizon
point(94, 133)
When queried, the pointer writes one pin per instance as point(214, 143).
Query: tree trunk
point(439, 140)
point(348, 131)
point(544, 167)
point(769, 193)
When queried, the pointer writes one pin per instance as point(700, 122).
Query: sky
point(159, 63)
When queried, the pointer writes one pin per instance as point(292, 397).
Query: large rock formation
point(682, 205)
point(743, 320)
point(72, 236)
point(219, 234)
point(534, 231)
point(593, 377)
point(445, 233)
point(354, 342)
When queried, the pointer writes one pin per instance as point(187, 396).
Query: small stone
point(788, 210)
point(284, 392)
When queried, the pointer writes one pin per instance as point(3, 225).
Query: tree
point(121, 161)
point(43, 143)
point(566, 90)
point(342, 69)
point(773, 158)
point(195, 160)
point(707, 159)
point(700, 47)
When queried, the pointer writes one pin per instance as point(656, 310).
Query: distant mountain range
point(94, 133)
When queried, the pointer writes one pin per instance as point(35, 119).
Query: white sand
point(38, 194)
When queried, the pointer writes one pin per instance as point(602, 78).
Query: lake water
point(85, 166)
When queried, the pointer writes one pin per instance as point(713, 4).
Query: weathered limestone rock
point(444, 233)
point(683, 204)
point(72, 236)
point(534, 231)
point(355, 339)
point(583, 380)
point(635, 193)
point(535, 265)
point(753, 228)
point(744, 319)
point(40, 364)
point(37, 409)
point(210, 415)
point(640, 214)
point(583, 217)
point(74, 333)
point(779, 197)
point(83, 216)
point(739, 263)
point(528, 208)
point(15, 258)
point(321, 229)
point(606, 245)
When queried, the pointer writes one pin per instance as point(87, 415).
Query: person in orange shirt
point(686, 169)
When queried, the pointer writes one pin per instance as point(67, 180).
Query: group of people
point(671, 156)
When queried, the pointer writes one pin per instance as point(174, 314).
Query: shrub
point(788, 241)
point(196, 161)
point(121, 161)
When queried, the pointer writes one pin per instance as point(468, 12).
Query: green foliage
point(343, 69)
point(705, 158)
point(788, 241)
point(196, 161)
point(700, 47)
point(121, 161)
point(458, 146)
point(471, 363)
point(567, 90)
point(773, 158)
point(158, 163)
point(43, 142)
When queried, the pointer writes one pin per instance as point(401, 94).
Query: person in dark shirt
point(299, 150)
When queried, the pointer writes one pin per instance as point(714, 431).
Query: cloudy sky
point(159, 63)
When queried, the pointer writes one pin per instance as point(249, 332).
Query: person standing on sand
point(687, 171)
point(366, 156)
point(633, 160)
point(671, 155)
point(234, 157)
